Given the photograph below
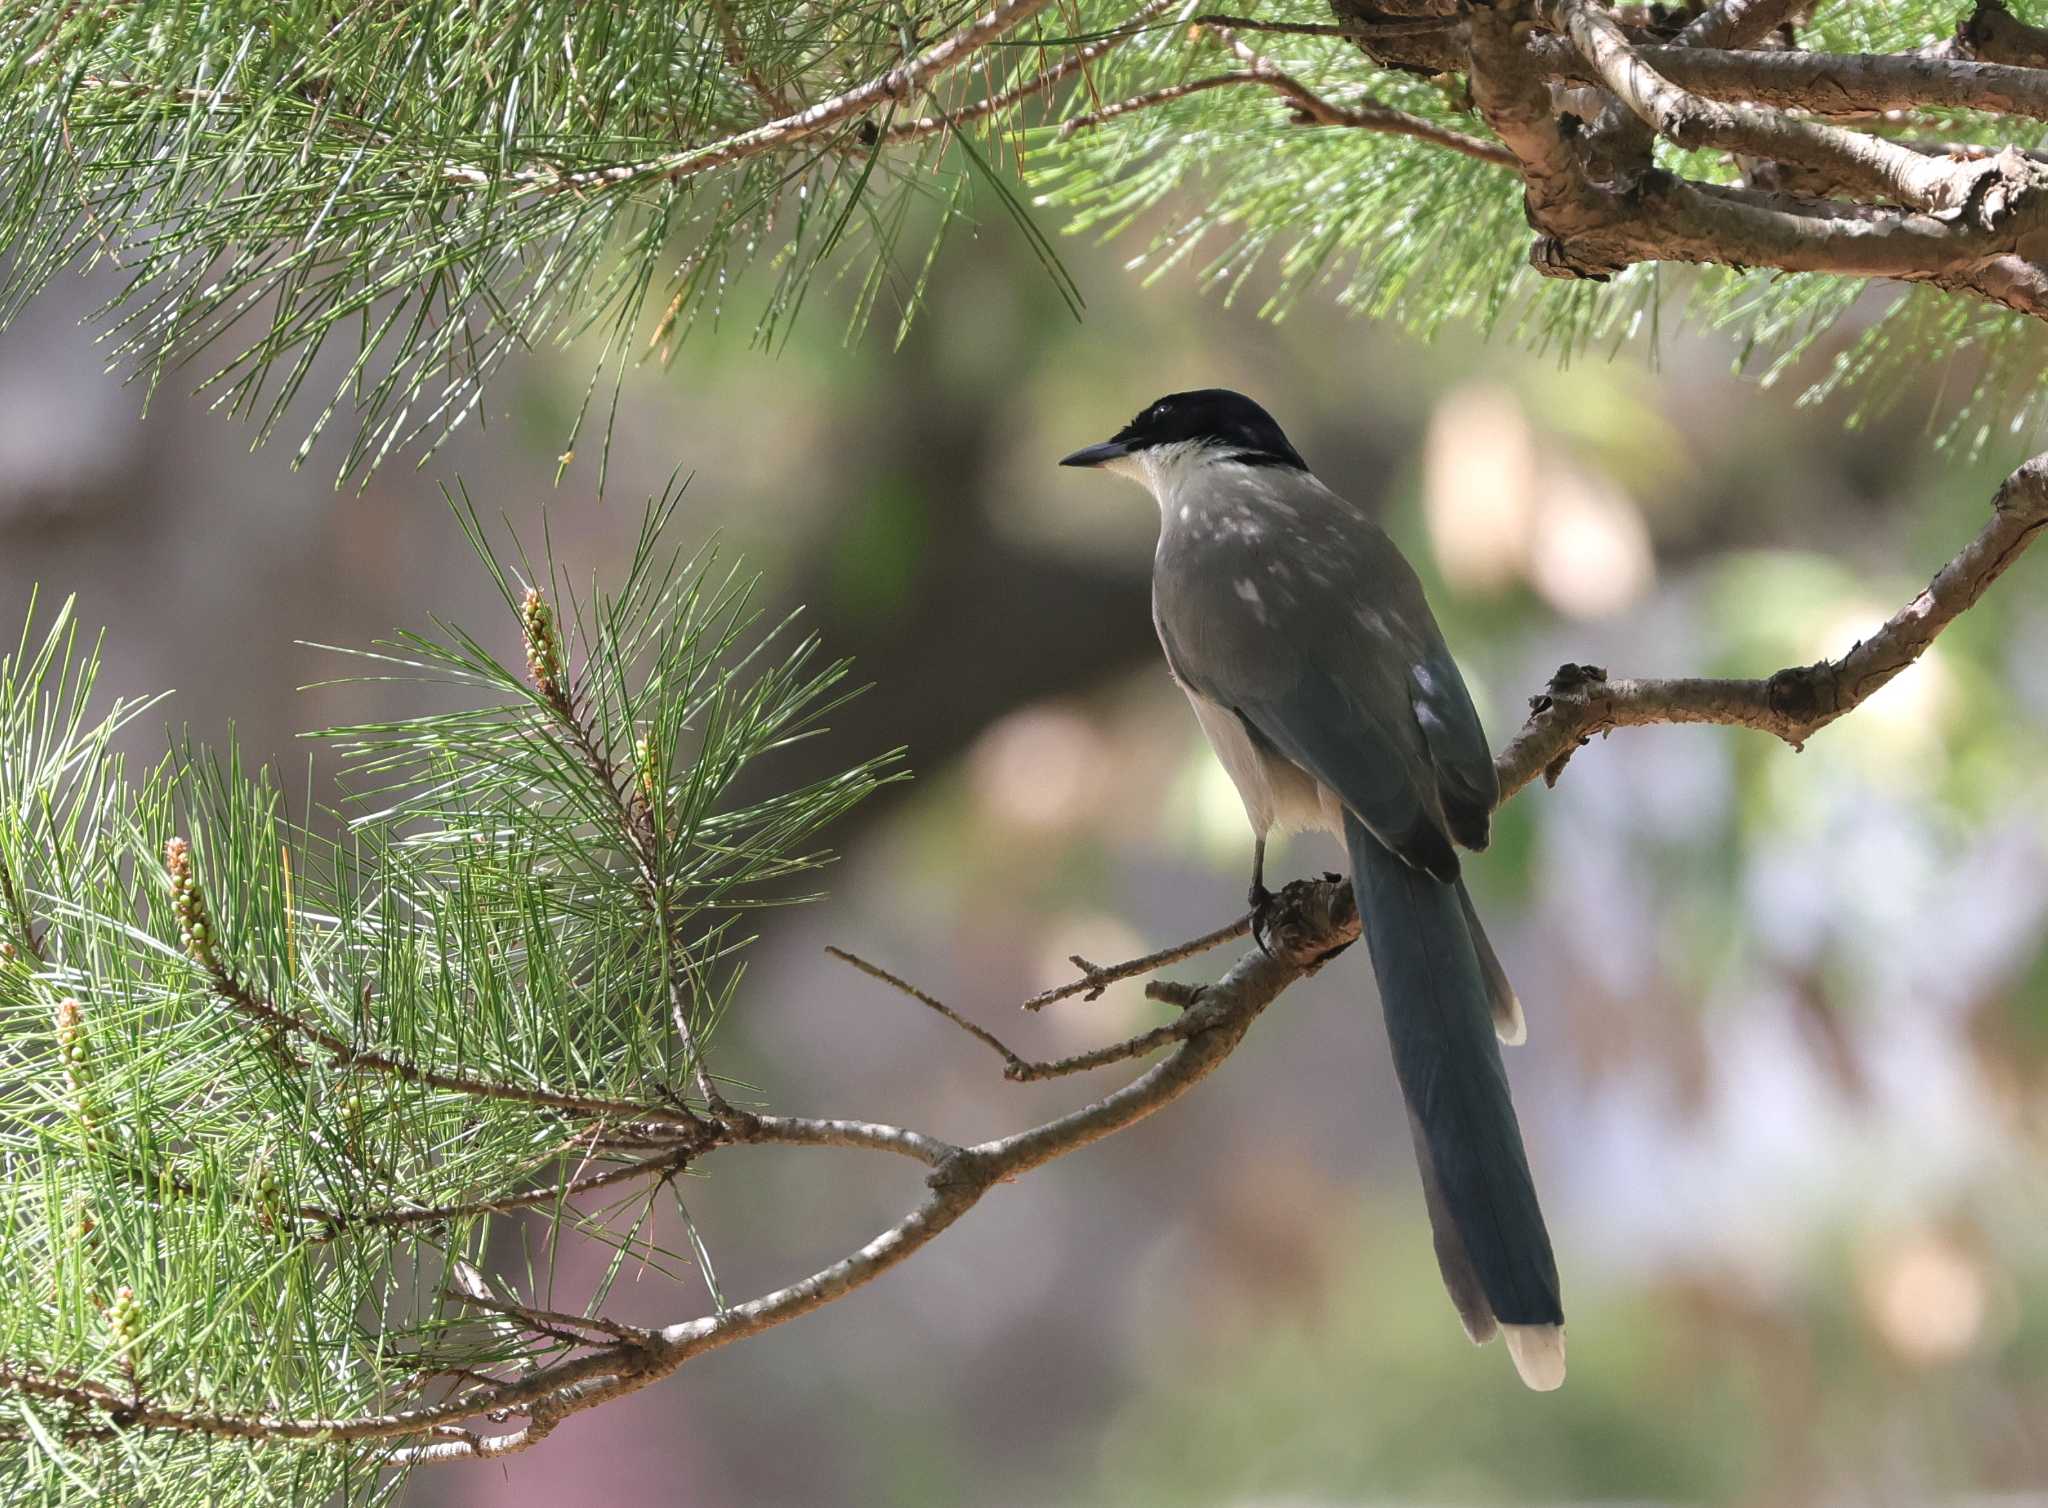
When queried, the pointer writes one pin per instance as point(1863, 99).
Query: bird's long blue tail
point(1437, 995)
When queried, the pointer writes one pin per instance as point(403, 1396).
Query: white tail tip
point(1538, 1351)
point(1510, 1025)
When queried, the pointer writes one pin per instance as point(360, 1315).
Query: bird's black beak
point(1095, 455)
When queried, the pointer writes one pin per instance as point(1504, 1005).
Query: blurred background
point(1786, 1088)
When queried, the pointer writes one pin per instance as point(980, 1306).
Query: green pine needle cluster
point(422, 189)
point(241, 1151)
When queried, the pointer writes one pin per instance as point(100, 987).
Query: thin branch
point(1354, 31)
point(1153, 98)
point(1795, 703)
point(1018, 1069)
point(875, 971)
point(1314, 109)
point(737, 56)
point(337, 1222)
point(995, 104)
point(573, 1328)
point(902, 82)
point(235, 993)
point(1102, 1057)
point(1310, 109)
point(557, 685)
point(808, 1131)
point(1095, 978)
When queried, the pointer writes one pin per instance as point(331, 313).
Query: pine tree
point(270, 1091)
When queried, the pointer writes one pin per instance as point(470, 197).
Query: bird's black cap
point(1211, 416)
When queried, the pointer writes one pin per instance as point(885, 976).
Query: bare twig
point(577, 1329)
point(1101, 1057)
point(1019, 1069)
point(1095, 978)
point(876, 971)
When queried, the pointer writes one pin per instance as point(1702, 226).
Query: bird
point(1308, 651)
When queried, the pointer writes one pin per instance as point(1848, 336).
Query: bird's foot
point(1262, 901)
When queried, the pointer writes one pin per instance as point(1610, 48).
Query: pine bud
point(71, 1045)
point(187, 905)
point(543, 646)
point(265, 1191)
point(644, 761)
point(74, 1051)
point(124, 1322)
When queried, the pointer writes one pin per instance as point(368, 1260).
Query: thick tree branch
point(1858, 162)
point(1828, 83)
point(1737, 23)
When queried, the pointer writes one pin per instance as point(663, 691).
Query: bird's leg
point(1259, 898)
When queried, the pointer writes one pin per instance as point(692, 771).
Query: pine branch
point(1795, 703)
point(315, 194)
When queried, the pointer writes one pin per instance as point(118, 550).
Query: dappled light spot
point(1926, 1295)
point(1589, 554)
point(1480, 477)
point(1032, 769)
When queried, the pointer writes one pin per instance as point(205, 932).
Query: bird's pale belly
point(1277, 793)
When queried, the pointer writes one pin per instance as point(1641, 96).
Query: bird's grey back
point(1267, 584)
